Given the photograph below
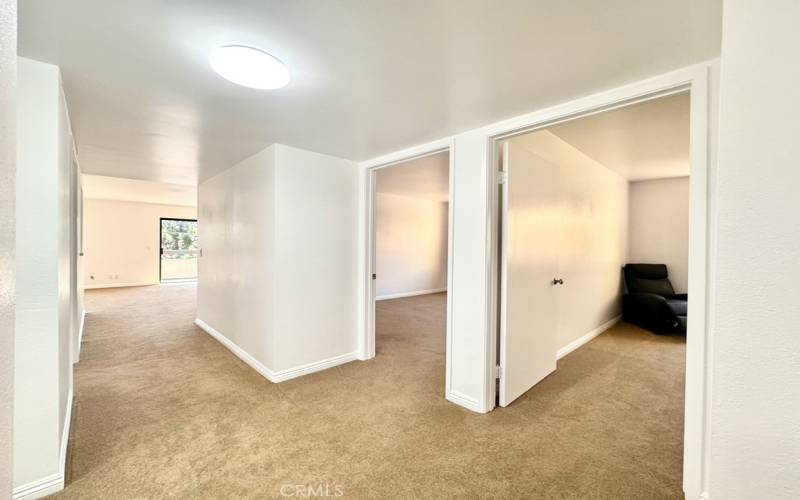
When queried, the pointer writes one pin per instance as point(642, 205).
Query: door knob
point(558, 281)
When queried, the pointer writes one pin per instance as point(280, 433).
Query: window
point(179, 249)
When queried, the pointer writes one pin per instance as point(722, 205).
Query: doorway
point(408, 248)
point(583, 203)
point(179, 250)
point(567, 230)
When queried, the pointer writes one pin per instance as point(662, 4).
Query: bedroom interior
point(410, 245)
point(580, 202)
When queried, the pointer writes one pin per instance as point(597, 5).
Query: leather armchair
point(650, 301)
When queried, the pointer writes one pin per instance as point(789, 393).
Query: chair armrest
point(647, 304)
point(680, 296)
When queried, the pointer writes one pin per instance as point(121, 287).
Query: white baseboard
point(77, 356)
point(465, 401)
point(187, 281)
point(575, 344)
point(54, 482)
point(40, 488)
point(409, 294)
point(65, 435)
point(118, 285)
point(272, 375)
point(235, 349)
point(299, 371)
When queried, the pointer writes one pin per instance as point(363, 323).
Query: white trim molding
point(40, 488)
point(269, 374)
point(404, 155)
point(366, 255)
point(584, 339)
point(298, 371)
point(235, 349)
point(54, 482)
point(465, 401)
point(119, 285)
point(77, 356)
point(400, 295)
point(65, 436)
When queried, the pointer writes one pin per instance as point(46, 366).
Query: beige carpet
point(162, 409)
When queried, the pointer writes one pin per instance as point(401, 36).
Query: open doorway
point(179, 250)
point(593, 275)
point(409, 235)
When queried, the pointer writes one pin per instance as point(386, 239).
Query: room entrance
point(409, 234)
point(579, 202)
point(593, 273)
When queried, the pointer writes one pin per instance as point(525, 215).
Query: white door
point(529, 264)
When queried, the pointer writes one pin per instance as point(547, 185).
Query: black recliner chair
point(650, 301)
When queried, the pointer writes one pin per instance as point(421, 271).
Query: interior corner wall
point(410, 245)
point(67, 297)
point(44, 331)
point(755, 392)
point(469, 318)
point(236, 231)
point(316, 258)
point(278, 275)
point(658, 226)
point(36, 376)
point(8, 126)
point(121, 241)
point(592, 241)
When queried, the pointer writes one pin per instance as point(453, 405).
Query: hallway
point(163, 409)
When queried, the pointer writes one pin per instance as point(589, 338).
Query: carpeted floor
point(162, 409)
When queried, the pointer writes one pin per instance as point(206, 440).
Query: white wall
point(45, 299)
point(36, 429)
point(278, 274)
point(410, 245)
point(469, 341)
point(66, 272)
point(236, 230)
point(658, 226)
point(755, 429)
point(315, 257)
point(592, 241)
point(8, 82)
point(121, 241)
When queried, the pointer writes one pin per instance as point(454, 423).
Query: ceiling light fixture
point(249, 67)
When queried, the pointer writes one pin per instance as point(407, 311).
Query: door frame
point(75, 253)
point(160, 248)
point(370, 168)
point(696, 81)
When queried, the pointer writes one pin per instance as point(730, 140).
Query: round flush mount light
point(249, 67)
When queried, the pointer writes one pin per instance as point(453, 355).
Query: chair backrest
point(648, 278)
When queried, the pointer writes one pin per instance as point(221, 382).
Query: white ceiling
point(368, 77)
point(426, 177)
point(649, 140)
point(115, 188)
